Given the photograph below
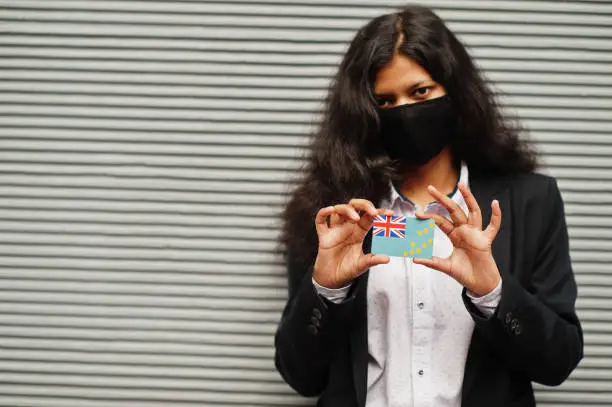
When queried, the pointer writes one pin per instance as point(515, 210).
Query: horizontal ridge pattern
point(147, 149)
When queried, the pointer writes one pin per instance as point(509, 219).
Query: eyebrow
point(411, 87)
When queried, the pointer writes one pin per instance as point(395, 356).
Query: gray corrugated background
point(145, 148)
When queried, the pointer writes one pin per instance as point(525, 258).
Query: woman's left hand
point(471, 262)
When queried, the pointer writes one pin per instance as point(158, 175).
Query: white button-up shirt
point(419, 330)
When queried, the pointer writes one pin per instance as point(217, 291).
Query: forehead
point(400, 73)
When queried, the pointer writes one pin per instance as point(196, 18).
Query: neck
point(439, 172)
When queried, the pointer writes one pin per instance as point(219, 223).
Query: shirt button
point(421, 305)
point(421, 372)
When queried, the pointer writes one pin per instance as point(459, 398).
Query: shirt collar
point(396, 196)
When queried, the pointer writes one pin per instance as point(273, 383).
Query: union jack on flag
point(389, 226)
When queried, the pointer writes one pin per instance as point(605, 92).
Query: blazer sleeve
point(537, 330)
point(307, 334)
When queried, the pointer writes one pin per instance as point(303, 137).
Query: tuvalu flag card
point(400, 236)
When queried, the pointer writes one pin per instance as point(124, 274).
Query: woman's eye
point(383, 102)
point(421, 92)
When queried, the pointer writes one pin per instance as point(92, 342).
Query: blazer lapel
point(359, 331)
point(485, 190)
point(359, 340)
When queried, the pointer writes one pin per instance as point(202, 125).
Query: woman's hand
point(340, 258)
point(471, 262)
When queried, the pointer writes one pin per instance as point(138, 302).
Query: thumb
point(370, 260)
point(437, 263)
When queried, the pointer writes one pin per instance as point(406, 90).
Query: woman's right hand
point(340, 258)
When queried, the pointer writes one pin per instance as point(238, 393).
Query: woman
point(411, 129)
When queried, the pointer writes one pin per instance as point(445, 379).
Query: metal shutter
point(145, 149)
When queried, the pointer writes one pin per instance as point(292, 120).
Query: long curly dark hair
point(345, 158)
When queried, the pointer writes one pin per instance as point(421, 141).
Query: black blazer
point(534, 335)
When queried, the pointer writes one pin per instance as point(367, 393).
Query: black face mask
point(415, 133)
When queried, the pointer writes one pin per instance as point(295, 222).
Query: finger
point(347, 211)
point(475, 216)
point(444, 224)
point(321, 219)
point(456, 213)
point(364, 205)
point(370, 260)
point(366, 221)
point(436, 263)
point(495, 223)
point(334, 220)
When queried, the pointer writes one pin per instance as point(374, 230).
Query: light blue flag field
point(400, 236)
